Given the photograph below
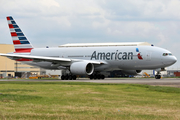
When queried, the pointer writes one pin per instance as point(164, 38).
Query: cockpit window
point(166, 54)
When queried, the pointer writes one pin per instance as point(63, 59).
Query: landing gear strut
point(97, 76)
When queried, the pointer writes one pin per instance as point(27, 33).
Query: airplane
point(90, 59)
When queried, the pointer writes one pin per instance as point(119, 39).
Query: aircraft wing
point(46, 59)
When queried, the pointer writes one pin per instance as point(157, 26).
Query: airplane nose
point(170, 60)
point(175, 59)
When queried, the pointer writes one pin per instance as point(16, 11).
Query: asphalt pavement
point(174, 82)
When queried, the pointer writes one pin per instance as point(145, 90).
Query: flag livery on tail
point(21, 44)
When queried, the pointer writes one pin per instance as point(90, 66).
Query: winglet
point(21, 43)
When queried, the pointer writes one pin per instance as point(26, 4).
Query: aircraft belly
point(136, 64)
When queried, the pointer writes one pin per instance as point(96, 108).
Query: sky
point(57, 22)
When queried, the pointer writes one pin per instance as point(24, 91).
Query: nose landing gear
point(158, 76)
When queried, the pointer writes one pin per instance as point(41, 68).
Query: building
point(6, 65)
point(13, 68)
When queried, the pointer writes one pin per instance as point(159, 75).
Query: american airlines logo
point(112, 55)
point(139, 54)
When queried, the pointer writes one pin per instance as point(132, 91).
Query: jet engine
point(131, 72)
point(82, 68)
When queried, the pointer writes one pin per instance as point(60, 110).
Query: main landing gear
point(68, 77)
point(97, 76)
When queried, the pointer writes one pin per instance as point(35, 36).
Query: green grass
point(80, 100)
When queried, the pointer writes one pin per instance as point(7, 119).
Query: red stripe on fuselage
point(16, 42)
point(13, 34)
point(23, 50)
point(24, 59)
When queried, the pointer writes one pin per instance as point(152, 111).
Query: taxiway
point(173, 82)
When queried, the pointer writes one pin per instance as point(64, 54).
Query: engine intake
point(82, 68)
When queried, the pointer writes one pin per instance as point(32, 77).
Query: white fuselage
point(115, 57)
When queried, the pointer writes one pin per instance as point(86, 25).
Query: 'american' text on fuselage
point(112, 55)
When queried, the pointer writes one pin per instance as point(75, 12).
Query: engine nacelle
point(131, 72)
point(82, 68)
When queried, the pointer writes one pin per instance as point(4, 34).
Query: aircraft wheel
point(70, 77)
point(74, 77)
point(66, 77)
point(91, 77)
point(98, 76)
point(62, 77)
point(158, 76)
point(95, 76)
point(102, 76)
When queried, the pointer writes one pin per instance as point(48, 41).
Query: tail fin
point(21, 44)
